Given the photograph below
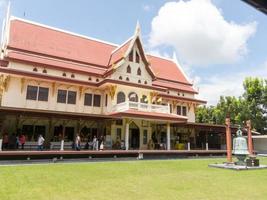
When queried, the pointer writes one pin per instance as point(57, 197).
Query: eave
point(184, 99)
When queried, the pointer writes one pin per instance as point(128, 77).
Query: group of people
point(94, 144)
point(119, 144)
point(13, 141)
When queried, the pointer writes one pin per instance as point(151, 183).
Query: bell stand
point(229, 140)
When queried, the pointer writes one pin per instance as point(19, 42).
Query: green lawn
point(168, 179)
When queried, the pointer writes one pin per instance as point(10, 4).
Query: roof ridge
point(124, 43)
point(158, 56)
point(63, 31)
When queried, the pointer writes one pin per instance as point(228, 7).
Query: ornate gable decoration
point(127, 49)
point(137, 40)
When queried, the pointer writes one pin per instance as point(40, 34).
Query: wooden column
point(228, 140)
point(250, 143)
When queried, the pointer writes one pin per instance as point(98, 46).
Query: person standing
point(95, 145)
point(5, 141)
point(40, 143)
point(100, 141)
point(17, 142)
point(22, 140)
point(78, 143)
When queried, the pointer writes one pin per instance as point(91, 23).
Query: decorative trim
point(81, 90)
point(4, 82)
point(152, 95)
point(112, 90)
point(53, 89)
point(22, 84)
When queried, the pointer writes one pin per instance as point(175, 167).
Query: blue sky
point(215, 72)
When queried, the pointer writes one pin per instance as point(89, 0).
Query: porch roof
point(54, 114)
point(150, 116)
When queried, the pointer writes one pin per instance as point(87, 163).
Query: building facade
point(59, 84)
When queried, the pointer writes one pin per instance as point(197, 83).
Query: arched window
point(127, 79)
point(120, 77)
point(44, 71)
point(90, 78)
point(133, 97)
point(144, 99)
point(72, 76)
point(120, 97)
point(35, 69)
point(145, 82)
point(137, 58)
point(131, 56)
point(64, 74)
point(139, 72)
point(139, 81)
point(129, 70)
point(97, 80)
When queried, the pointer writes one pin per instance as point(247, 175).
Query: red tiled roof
point(73, 52)
point(118, 53)
point(40, 39)
point(149, 115)
point(175, 86)
point(166, 69)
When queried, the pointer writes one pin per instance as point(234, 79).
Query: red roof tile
point(166, 69)
point(118, 53)
point(40, 39)
point(175, 86)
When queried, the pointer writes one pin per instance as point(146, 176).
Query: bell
point(240, 148)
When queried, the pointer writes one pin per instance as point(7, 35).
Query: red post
point(250, 143)
point(228, 140)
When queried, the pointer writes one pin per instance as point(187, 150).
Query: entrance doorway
point(134, 136)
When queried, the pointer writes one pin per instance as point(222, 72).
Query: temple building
point(59, 84)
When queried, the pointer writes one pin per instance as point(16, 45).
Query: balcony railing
point(141, 107)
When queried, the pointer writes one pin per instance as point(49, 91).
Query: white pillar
point(207, 146)
point(168, 136)
point(1, 141)
point(127, 136)
point(188, 146)
point(62, 145)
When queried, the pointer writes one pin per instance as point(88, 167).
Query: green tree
point(254, 96)
point(251, 105)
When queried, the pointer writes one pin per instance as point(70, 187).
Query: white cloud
point(199, 33)
point(213, 87)
point(147, 8)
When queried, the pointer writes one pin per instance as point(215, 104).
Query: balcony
point(140, 107)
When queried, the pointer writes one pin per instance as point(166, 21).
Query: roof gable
point(123, 52)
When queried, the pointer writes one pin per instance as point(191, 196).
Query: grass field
point(167, 179)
